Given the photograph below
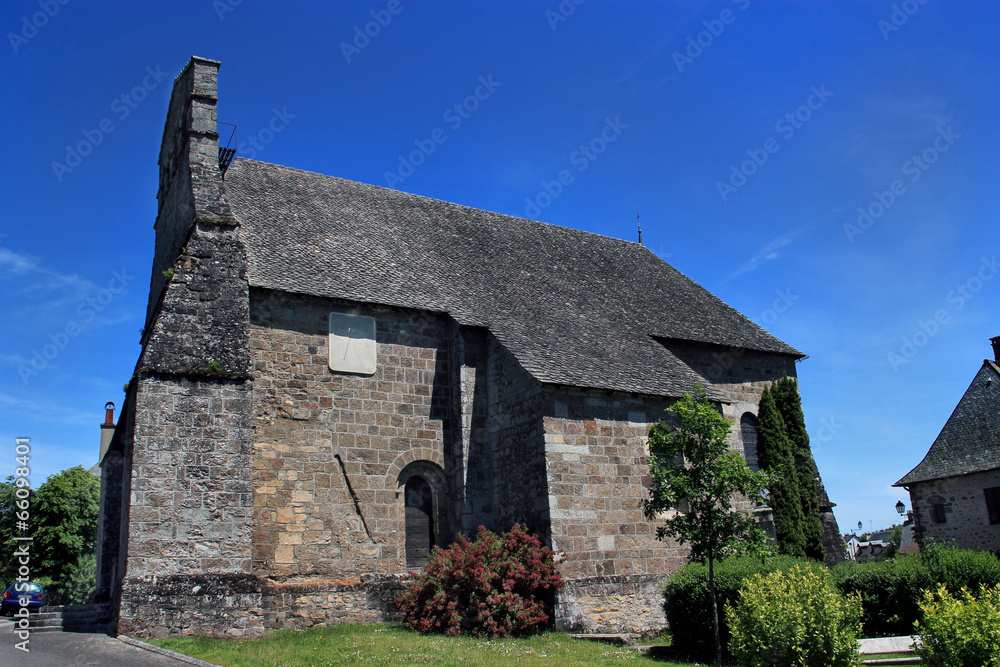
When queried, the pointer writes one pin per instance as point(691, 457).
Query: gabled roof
point(574, 308)
point(970, 439)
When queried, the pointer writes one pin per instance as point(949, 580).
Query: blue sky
point(828, 169)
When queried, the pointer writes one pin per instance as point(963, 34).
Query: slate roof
point(970, 439)
point(574, 308)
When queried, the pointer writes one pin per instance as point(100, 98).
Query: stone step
point(608, 638)
point(72, 618)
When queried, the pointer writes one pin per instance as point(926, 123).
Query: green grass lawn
point(392, 645)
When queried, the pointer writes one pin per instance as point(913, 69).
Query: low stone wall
point(195, 605)
point(304, 604)
point(614, 605)
point(246, 606)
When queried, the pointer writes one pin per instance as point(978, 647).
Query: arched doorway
point(419, 502)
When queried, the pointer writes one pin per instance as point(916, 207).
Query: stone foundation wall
point(304, 604)
point(615, 605)
point(247, 606)
point(196, 605)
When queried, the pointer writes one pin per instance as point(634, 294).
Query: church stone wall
point(319, 456)
point(515, 427)
point(329, 447)
point(598, 474)
point(967, 522)
point(473, 458)
point(597, 470)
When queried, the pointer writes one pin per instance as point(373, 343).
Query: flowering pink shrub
point(495, 586)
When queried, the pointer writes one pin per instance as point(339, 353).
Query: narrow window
point(419, 522)
point(993, 503)
point(748, 433)
point(937, 511)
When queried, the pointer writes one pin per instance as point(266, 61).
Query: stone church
point(336, 377)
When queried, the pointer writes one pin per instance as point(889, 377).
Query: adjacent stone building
point(335, 377)
point(955, 489)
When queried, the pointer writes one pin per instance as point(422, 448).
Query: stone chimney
point(996, 348)
point(107, 429)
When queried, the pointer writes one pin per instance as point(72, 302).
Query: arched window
point(748, 433)
point(419, 502)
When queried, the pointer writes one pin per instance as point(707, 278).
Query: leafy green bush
point(794, 618)
point(891, 590)
point(685, 599)
point(77, 584)
point(962, 631)
point(495, 586)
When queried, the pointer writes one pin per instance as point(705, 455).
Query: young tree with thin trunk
point(692, 466)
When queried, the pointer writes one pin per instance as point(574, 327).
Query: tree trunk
point(715, 611)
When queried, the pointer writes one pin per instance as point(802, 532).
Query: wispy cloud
point(16, 263)
point(43, 290)
point(46, 411)
point(771, 251)
point(928, 113)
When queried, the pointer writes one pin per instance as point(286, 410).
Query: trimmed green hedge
point(688, 607)
point(891, 590)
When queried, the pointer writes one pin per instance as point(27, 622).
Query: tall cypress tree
point(789, 403)
point(775, 454)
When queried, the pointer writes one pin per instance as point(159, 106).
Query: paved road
point(74, 649)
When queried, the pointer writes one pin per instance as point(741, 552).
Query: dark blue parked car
point(22, 589)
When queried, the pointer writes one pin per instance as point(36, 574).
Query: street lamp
point(900, 508)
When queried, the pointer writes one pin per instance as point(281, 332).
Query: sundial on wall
point(352, 343)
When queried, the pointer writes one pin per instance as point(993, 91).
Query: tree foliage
point(9, 529)
point(65, 511)
point(775, 453)
point(63, 516)
point(789, 404)
point(692, 466)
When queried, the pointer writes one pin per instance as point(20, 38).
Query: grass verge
point(393, 645)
